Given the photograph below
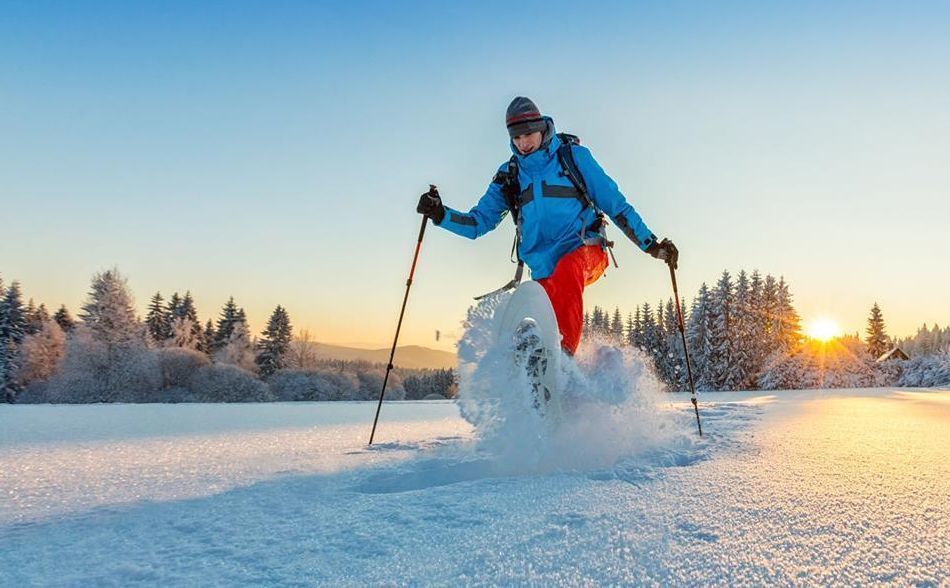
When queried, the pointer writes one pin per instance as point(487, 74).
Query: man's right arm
point(482, 218)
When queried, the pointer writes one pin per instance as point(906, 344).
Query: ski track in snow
point(819, 487)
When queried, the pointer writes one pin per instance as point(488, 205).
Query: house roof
point(895, 353)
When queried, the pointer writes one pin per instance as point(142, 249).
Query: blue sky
point(274, 151)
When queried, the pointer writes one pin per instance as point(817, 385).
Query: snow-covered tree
point(183, 334)
point(35, 316)
point(628, 329)
point(635, 333)
point(788, 329)
point(650, 334)
point(742, 369)
point(109, 311)
point(64, 319)
point(876, 336)
point(41, 353)
point(599, 322)
point(673, 365)
point(697, 335)
point(768, 315)
point(274, 343)
point(106, 358)
point(616, 326)
point(239, 350)
point(188, 312)
point(720, 356)
point(12, 331)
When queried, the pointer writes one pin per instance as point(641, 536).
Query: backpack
point(511, 190)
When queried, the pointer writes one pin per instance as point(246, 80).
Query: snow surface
point(825, 487)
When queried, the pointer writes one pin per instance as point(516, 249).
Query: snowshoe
point(531, 357)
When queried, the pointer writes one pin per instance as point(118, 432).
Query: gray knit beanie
point(523, 117)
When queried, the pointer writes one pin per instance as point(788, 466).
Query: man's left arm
point(605, 193)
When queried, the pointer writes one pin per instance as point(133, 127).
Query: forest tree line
point(745, 334)
point(108, 354)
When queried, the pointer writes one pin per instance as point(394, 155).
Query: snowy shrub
point(227, 383)
point(35, 393)
point(927, 370)
point(41, 354)
point(320, 384)
point(94, 371)
point(371, 382)
point(176, 395)
point(239, 350)
point(184, 334)
point(890, 372)
point(179, 364)
point(785, 372)
point(841, 363)
point(440, 383)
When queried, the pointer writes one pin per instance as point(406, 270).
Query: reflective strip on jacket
point(552, 214)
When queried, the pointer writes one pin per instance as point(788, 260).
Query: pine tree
point(720, 357)
point(788, 330)
point(157, 323)
point(42, 315)
point(616, 326)
point(109, 311)
point(189, 312)
point(648, 330)
point(12, 332)
point(768, 313)
point(675, 361)
point(876, 337)
point(697, 335)
point(742, 372)
point(174, 307)
point(635, 336)
point(30, 324)
point(229, 315)
point(756, 346)
point(14, 317)
point(208, 338)
point(64, 319)
point(239, 350)
point(629, 329)
point(274, 343)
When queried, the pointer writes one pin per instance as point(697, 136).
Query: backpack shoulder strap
point(510, 187)
point(565, 155)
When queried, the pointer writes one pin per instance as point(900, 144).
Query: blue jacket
point(552, 215)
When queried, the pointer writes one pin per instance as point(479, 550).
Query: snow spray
point(613, 404)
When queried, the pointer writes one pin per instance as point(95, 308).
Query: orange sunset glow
point(823, 329)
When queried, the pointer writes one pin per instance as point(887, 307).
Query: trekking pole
point(682, 328)
point(389, 367)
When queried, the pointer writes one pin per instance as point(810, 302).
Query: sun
point(823, 329)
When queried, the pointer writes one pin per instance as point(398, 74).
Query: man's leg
point(565, 288)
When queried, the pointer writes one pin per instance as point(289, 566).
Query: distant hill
point(408, 356)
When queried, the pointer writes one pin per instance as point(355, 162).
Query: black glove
point(430, 204)
point(666, 251)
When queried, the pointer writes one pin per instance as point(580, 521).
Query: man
point(560, 234)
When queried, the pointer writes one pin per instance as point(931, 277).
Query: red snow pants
point(565, 287)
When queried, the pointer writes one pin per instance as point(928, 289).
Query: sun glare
point(823, 329)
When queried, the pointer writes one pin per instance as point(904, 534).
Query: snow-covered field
point(819, 487)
